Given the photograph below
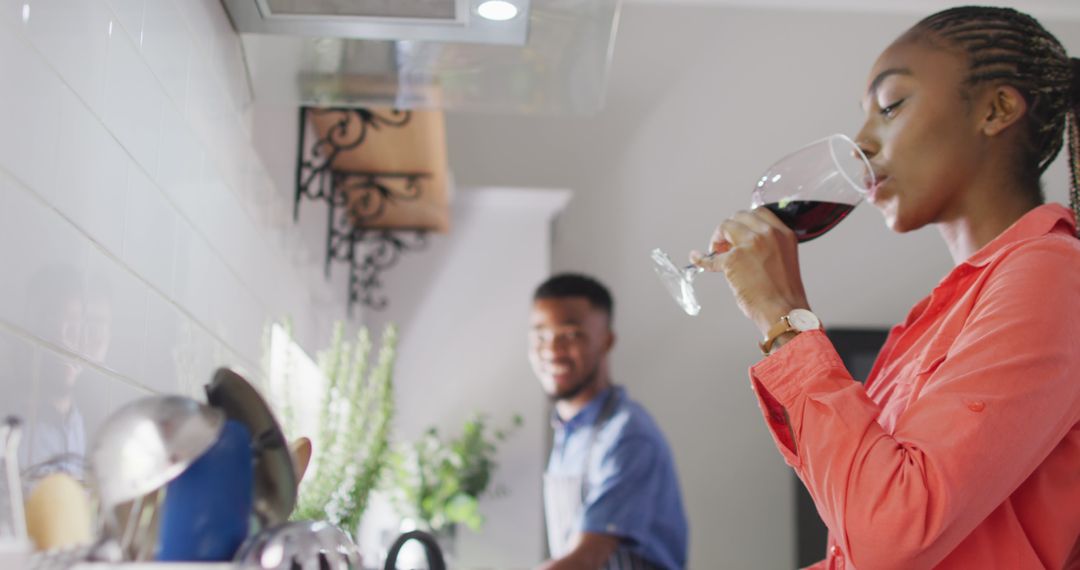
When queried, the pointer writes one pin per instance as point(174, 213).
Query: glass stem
point(693, 269)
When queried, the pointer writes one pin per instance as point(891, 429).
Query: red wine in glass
point(810, 218)
point(810, 190)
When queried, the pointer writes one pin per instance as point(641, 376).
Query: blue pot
point(207, 509)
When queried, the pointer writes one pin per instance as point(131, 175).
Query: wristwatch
point(797, 321)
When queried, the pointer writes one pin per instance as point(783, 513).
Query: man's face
point(568, 342)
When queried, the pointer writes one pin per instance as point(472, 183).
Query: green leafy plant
point(440, 482)
point(352, 448)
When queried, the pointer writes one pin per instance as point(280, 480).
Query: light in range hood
point(455, 21)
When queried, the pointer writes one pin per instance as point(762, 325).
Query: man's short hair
point(565, 285)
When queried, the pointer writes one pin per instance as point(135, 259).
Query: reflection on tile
point(91, 400)
point(179, 172)
point(191, 282)
point(125, 311)
point(149, 231)
point(89, 186)
point(56, 436)
point(16, 374)
point(28, 117)
point(166, 47)
point(209, 112)
point(200, 23)
point(192, 358)
point(74, 38)
point(130, 14)
point(121, 393)
point(133, 101)
point(162, 328)
point(239, 317)
point(42, 284)
point(221, 288)
point(11, 15)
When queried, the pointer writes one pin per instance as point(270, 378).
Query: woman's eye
point(890, 110)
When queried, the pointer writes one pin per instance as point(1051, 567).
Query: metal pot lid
point(299, 544)
point(275, 478)
point(149, 442)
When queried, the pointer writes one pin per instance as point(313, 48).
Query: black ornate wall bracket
point(356, 200)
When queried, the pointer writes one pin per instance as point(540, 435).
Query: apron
point(564, 503)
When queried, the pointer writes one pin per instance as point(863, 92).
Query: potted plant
point(438, 482)
point(351, 446)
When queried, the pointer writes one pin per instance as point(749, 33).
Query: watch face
point(803, 320)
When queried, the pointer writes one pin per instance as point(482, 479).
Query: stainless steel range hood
point(552, 58)
point(416, 20)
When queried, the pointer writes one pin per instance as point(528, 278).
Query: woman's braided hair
point(1008, 47)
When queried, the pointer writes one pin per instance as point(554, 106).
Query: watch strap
point(782, 326)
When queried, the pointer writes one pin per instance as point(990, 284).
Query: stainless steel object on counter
point(14, 544)
point(12, 516)
point(149, 442)
point(307, 545)
point(275, 476)
point(139, 449)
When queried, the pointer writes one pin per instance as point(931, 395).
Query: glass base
point(678, 281)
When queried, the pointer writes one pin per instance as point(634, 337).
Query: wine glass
point(810, 190)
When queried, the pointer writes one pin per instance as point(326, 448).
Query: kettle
point(431, 550)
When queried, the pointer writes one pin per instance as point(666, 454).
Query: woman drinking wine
point(962, 449)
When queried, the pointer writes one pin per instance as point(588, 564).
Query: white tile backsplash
point(130, 15)
point(150, 222)
point(74, 38)
point(166, 47)
point(28, 118)
point(180, 171)
point(163, 323)
point(138, 245)
point(191, 261)
point(16, 373)
point(122, 392)
point(91, 174)
point(125, 317)
point(44, 266)
point(11, 14)
point(133, 102)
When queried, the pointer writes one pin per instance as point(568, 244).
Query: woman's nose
point(867, 151)
point(866, 143)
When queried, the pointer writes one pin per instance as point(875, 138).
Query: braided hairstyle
point(1007, 47)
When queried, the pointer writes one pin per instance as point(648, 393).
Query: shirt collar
point(587, 416)
point(1037, 222)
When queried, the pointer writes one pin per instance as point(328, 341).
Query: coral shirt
point(963, 448)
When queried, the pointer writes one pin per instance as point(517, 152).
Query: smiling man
point(611, 494)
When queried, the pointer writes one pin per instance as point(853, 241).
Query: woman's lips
point(879, 181)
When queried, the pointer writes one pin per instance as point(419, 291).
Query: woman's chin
point(893, 221)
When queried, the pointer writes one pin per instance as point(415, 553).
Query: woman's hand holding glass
point(758, 255)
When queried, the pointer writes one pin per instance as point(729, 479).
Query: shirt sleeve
point(991, 410)
point(623, 502)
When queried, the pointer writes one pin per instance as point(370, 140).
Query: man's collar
point(587, 415)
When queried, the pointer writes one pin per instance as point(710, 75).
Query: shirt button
point(977, 406)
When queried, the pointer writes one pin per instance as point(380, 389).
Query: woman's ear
point(1003, 107)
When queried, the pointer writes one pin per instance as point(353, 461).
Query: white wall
point(701, 99)
point(462, 306)
point(142, 241)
